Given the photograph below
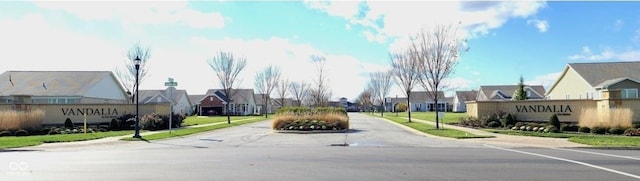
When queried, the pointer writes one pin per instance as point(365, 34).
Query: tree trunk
point(228, 116)
point(409, 104)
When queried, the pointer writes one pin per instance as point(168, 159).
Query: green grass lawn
point(449, 117)
point(22, 141)
point(429, 129)
point(194, 130)
point(198, 120)
point(582, 138)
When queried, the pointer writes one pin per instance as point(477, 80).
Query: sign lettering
point(544, 108)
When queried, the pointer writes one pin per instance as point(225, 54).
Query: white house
point(422, 101)
point(461, 97)
point(179, 99)
point(508, 92)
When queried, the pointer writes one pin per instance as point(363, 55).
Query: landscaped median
point(431, 129)
point(213, 124)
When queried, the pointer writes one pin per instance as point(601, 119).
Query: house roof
point(149, 95)
point(508, 91)
point(420, 96)
point(52, 83)
point(287, 101)
point(259, 99)
point(464, 96)
point(195, 99)
point(607, 83)
point(237, 95)
point(597, 73)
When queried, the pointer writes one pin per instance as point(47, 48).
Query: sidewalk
point(112, 140)
point(508, 140)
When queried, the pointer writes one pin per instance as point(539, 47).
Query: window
point(567, 96)
point(629, 93)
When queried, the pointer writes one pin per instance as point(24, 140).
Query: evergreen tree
point(521, 94)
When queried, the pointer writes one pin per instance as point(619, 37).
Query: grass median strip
point(193, 130)
point(587, 139)
point(430, 129)
point(23, 141)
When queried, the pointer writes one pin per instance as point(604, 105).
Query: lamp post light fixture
point(137, 64)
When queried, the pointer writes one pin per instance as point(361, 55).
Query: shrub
point(22, 132)
point(519, 124)
point(494, 124)
point(68, 123)
point(632, 132)
point(114, 125)
point(127, 121)
point(106, 127)
point(599, 130)
point(45, 130)
point(331, 121)
point(5, 133)
point(569, 127)
point(616, 130)
point(471, 121)
point(550, 129)
point(637, 125)
point(54, 131)
point(508, 119)
point(554, 121)
point(584, 129)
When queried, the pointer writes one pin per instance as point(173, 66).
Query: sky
point(532, 39)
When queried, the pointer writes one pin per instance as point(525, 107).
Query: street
point(377, 150)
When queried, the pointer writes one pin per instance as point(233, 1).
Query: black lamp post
point(137, 63)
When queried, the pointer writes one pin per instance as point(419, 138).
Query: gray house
point(508, 92)
point(61, 87)
point(178, 98)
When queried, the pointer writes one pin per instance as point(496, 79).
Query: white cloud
point(545, 80)
point(30, 42)
point(398, 19)
point(541, 25)
point(617, 25)
point(607, 54)
point(345, 73)
point(138, 12)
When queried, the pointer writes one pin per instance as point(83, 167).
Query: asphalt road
point(378, 150)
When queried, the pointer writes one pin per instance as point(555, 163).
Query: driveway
point(378, 150)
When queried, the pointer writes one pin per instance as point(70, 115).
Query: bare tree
point(227, 67)
point(364, 98)
point(265, 82)
point(380, 84)
point(403, 68)
point(438, 51)
point(127, 75)
point(299, 90)
point(320, 93)
point(283, 88)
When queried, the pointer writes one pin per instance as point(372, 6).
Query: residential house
point(589, 80)
point(61, 87)
point(422, 101)
point(179, 99)
point(461, 97)
point(391, 102)
point(508, 92)
point(195, 103)
point(241, 102)
point(277, 103)
point(449, 105)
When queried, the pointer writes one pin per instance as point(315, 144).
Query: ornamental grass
point(16, 120)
